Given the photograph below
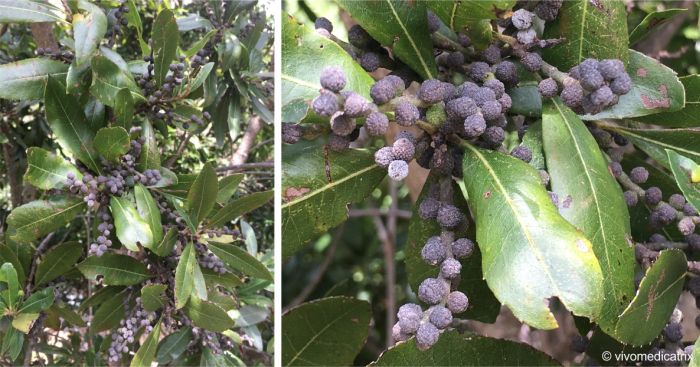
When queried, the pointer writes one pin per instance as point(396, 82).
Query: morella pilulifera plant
point(544, 145)
point(124, 247)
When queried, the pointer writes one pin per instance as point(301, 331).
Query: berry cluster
point(593, 85)
point(64, 56)
point(439, 293)
point(104, 230)
point(207, 259)
point(119, 21)
point(343, 108)
point(663, 213)
point(123, 337)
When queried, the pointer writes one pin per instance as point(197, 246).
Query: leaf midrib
point(50, 14)
point(594, 192)
point(317, 335)
point(50, 216)
point(516, 215)
point(84, 147)
point(329, 186)
point(410, 40)
point(665, 145)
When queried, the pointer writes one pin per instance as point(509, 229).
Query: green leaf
point(651, 22)
point(147, 352)
point(165, 38)
point(580, 177)
point(26, 11)
point(9, 276)
point(24, 321)
point(88, 31)
point(683, 168)
point(515, 218)
point(208, 316)
point(306, 54)
point(196, 82)
point(240, 206)
point(108, 79)
point(123, 108)
point(172, 347)
point(228, 280)
point(695, 357)
point(46, 170)
point(655, 142)
point(239, 260)
point(7, 255)
point(199, 284)
point(655, 88)
point(26, 79)
point(37, 302)
point(100, 296)
point(329, 331)
point(526, 100)
point(130, 227)
point(199, 44)
point(150, 155)
point(184, 276)
point(134, 19)
point(67, 121)
point(533, 141)
point(40, 217)
point(12, 343)
point(251, 315)
point(312, 201)
point(109, 314)
point(464, 16)
point(148, 209)
point(68, 315)
point(166, 245)
point(57, 261)
point(115, 269)
point(483, 306)
point(403, 26)
point(687, 115)
point(112, 143)
point(453, 349)
point(655, 299)
point(228, 186)
point(202, 194)
point(152, 296)
point(591, 29)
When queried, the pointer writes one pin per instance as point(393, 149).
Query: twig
point(180, 149)
point(15, 186)
point(327, 260)
point(244, 166)
point(403, 214)
point(389, 278)
point(36, 328)
point(255, 124)
point(32, 270)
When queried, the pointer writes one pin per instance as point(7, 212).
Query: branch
point(32, 270)
point(180, 149)
point(10, 165)
point(255, 124)
point(43, 36)
point(389, 278)
point(327, 260)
